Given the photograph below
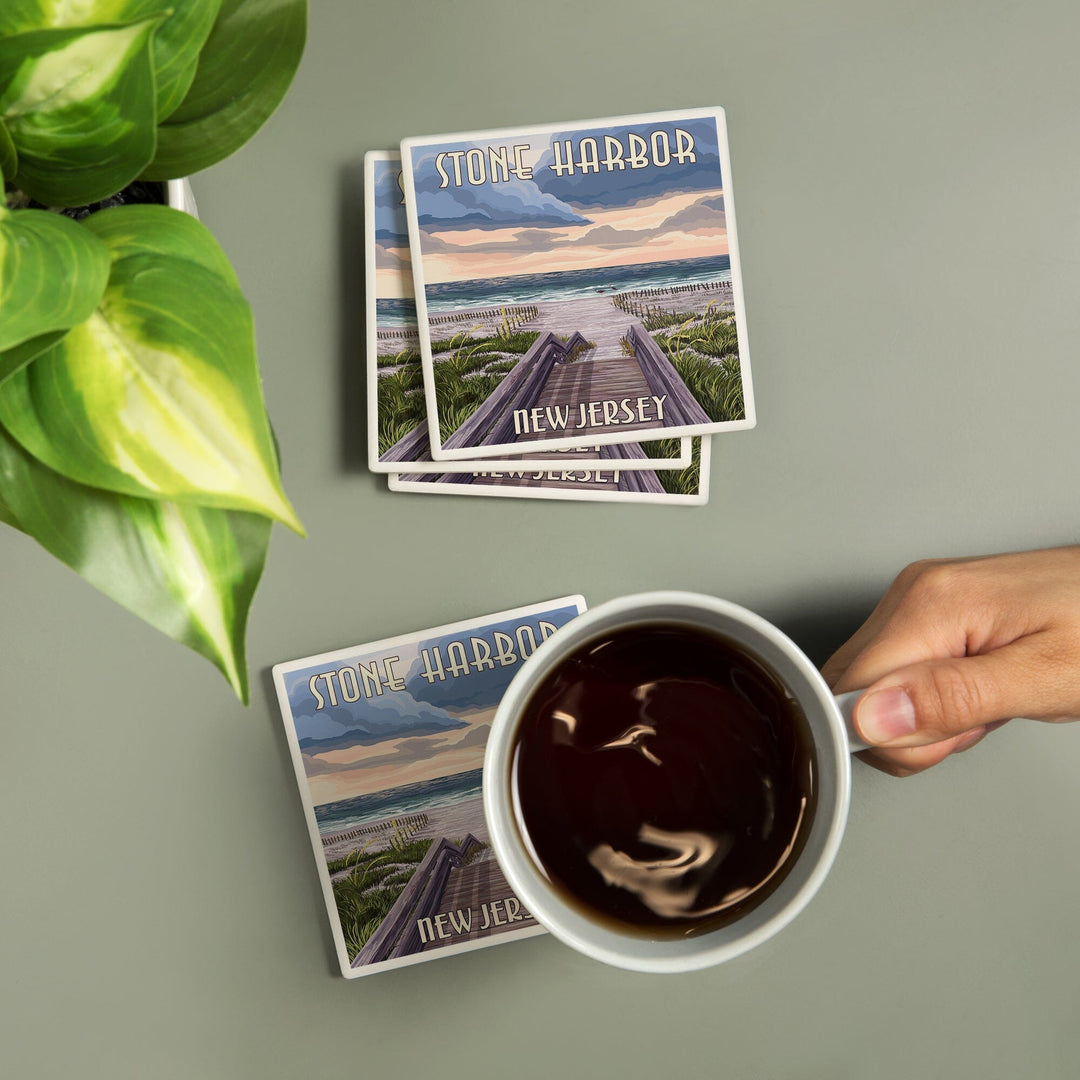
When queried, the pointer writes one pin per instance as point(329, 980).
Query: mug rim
point(631, 950)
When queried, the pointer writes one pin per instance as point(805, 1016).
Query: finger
point(838, 669)
point(909, 760)
point(934, 609)
point(835, 668)
point(935, 700)
point(906, 637)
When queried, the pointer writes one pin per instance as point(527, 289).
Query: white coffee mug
point(834, 740)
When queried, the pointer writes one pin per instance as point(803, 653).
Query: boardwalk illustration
point(566, 218)
point(456, 894)
point(604, 373)
point(590, 358)
point(388, 740)
point(480, 887)
point(587, 377)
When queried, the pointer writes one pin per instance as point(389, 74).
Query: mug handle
point(846, 704)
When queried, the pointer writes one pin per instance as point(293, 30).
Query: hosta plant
point(134, 442)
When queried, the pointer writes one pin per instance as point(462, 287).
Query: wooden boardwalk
point(471, 886)
point(457, 875)
point(603, 373)
point(562, 390)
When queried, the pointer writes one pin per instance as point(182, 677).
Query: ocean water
point(559, 285)
point(395, 312)
point(396, 802)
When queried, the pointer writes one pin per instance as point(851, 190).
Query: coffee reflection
point(663, 779)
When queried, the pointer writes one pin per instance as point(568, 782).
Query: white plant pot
point(178, 194)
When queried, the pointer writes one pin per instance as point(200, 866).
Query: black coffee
point(664, 779)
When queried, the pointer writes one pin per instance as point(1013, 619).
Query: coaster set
point(556, 311)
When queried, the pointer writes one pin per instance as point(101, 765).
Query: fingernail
point(975, 735)
point(885, 715)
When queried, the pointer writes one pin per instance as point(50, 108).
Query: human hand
point(957, 647)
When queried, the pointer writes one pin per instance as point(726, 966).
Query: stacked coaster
point(557, 311)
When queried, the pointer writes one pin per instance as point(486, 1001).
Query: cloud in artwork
point(409, 751)
point(367, 721)
point(510, 202)
point(623, 187)
point(484, 683)
point(389, 258)
point(607, 236)
point(406, 752)
point(649, 230)
point(448, 677)
point(391, 223)
point(522, 240)
point(707, 213)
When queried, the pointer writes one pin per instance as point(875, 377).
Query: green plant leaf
point(245, 68)
point(53, 272)
point(15, 359)
point(157, 394)
point(176, 44)
point(187, 570)
point(9, 157)
point(146, 229)
point(79, 107)
point(7, 515)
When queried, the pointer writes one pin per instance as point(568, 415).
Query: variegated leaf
point(16, 358)
point(53, 272)
point(79, 107)
point(7, 515)
point(176, 44)
point(154, 230)
point(245, 68)
point(9, 157)
point(189, 571)
point(157, 394)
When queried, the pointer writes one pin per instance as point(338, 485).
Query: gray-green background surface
point(907, 181)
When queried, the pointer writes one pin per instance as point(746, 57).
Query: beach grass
point(663, 320)
point(400, 403)
point(719, 339)
point(404, 850)
point(676, 481)
point(578, 351)
point(518, 341)
point(471, 373)
point(717, 385)
point(466, 371)
point(500, 367)
point(375, 880)
point(404, 356)
point(706, 356)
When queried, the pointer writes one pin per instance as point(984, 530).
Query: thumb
point(938, 699)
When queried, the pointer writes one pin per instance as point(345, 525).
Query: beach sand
point(454, 822)
point(554, 314)
point(393, 340)
point(562, 316)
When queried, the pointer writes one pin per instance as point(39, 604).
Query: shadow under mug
point(834, 740)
